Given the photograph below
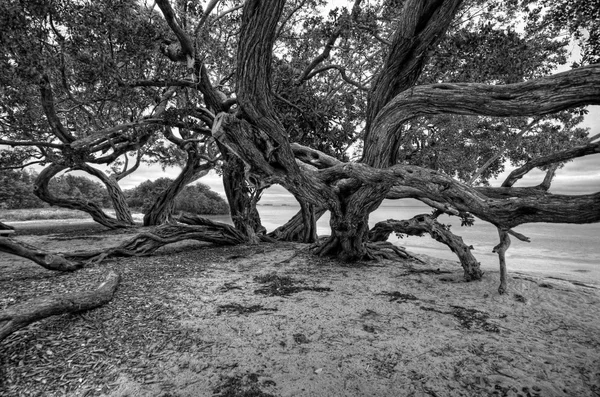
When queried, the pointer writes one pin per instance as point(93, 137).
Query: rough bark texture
point(297, 229)
point(147, 242)
point(242, 201)
point(21, 315)
point(115, 193)
point(546, 95)
point(41, 190)
point(501, 249)
point(421, 24)
point(424, 223)
point(45, 259)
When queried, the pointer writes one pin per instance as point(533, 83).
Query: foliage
point(80, 187)
point(196, 199)
point(17, 189)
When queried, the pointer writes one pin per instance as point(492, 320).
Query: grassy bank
point(31, 214)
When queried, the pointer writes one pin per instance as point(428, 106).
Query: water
point(565, 251)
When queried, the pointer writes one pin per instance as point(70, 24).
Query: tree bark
point(41, 190)
point(242, 200)
point(302, 227)
point(20, 315)
point(424, 223)
point(115, 193)
point(546, 95)
point(501, 249)
point(45, 259)
point(147, 242)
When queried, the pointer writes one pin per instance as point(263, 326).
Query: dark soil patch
point(399, 297)
point(247, 385)
point(275, 285)
point(236, 308)
point(468, 318)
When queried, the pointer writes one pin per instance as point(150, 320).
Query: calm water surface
point(557, 250)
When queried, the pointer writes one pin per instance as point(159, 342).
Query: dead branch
point(43, 258)
point(20, 315)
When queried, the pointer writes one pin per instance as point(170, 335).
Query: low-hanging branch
point(424, 223)
point(546, 95)
point(43, 258)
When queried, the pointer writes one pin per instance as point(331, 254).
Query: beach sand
point(273, 320)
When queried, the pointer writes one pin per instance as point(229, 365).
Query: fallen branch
point(43, 258)
point(21, 315)
point(147, 242)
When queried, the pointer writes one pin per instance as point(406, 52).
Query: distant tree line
point(17, 186)
point(195, 199)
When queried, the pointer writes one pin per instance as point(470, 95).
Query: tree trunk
point(115, 193)
point(501, 249)
point(241, 198)
point(45, 259)
point(162, 209)
point(23, 314)
point(302, 227)
point(349, 223)
point(41, 190)
point(424, 223)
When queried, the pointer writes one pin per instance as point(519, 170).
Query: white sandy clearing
point(541, 338)
point(383, 329)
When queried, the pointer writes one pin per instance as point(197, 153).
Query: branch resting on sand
point(23, 314)
point(45, 259)
point(424, 223)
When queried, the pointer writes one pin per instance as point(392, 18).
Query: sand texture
point(273, 320)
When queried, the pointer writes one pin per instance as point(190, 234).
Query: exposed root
point(21, 315)
point(43, 258)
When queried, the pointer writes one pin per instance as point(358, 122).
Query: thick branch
point(45, 259)
point(29, 143)
point(42, 191)
point(565, 155)
point(48, 105)
point(20, 315)
point(421, 224)
point(538, 97)
point(422, 23)
point(187, 46)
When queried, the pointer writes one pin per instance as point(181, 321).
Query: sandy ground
point(273, 320)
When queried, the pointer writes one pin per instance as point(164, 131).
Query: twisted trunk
point(41, 190)
point(115, 193)
point(424, 223)
point(302, 227)
point(241, 198)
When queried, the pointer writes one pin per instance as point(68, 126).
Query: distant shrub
point(195, 199)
